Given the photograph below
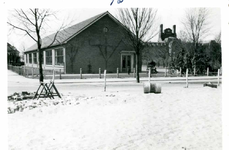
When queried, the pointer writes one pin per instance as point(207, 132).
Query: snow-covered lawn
point(178, 118)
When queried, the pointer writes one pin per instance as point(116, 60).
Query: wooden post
point(24, 71)
point(44, 72)
point(218, 76)
point(117, 72)
point(165, 71)
point(60, 73)
point(194, 71)
point(100, 73)
point(149, 73)
point(81, 73)
point(105, 71)
point(186, 78)
point(208, 71)
point(53, 76)
point(180, 72)
point(134, 73)
point(32, 72)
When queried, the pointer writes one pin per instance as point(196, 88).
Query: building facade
point(98, 42)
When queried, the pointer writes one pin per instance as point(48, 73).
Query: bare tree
point(106, 50)
point(32, 22)
point(140, 24)
point(73, 49)
point(218, 38)
point(196, 25)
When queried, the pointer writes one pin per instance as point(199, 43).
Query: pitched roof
point(66, 34)
point(11, 49)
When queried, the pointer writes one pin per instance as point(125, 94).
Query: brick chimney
point(174, 29)
point(161, 28)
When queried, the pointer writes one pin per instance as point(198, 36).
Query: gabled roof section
point(66, 34)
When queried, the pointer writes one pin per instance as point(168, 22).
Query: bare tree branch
point(140, 25)
point(22, 30)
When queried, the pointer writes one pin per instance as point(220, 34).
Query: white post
point(32, 71)
point(180, 72)
point(100, 73)
point(134, 73)
point(149, 73)
point(186, 78)
point(218, 76)
point(53, 76)
point(25, 71)
point(81, 73)
point(105, 71)
point(165, 71)
point(194, 71)
point(207, 71)
point(117, 72)
point(60, 73)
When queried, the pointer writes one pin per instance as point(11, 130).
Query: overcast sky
point(166, 16)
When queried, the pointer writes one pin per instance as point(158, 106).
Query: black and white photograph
point(114, 78)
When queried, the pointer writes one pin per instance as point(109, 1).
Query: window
point(30, 58)
point(59, 57)
point(35, 58)
point(49, 57)
point(105, 29)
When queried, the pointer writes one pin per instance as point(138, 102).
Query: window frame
point(48, 58)
point(35, 58)
point(59, 56)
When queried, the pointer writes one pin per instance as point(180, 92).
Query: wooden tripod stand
point(47, 90)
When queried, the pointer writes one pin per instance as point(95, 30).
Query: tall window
point(59, 56)
point(49, 57)
point(35, 58)
point(30, 58)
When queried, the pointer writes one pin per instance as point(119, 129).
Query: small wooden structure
point(46, 90)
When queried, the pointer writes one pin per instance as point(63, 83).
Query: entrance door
point(126, 63)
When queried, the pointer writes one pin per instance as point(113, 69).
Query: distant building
point(163, 51)
point(12, 55)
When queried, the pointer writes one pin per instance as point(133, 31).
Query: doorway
point(126, 63)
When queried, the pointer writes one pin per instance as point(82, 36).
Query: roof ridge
point(87, 22)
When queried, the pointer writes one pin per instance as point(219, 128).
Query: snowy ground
point(178, 118)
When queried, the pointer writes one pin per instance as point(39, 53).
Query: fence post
point(27, 74)
point(149, 73)
point(81, 73)
point(218, 76)
point(105, 85)
point(24, 71)
point(180, 72)
point(186, 78)
point(32, 71)
point(134, 73)
point(165, 71)
point(60, 73)
point(53, 71)
point(44, 73)
point(117, 72)
point(194, 71)
point(100, 73)
point(207, 71)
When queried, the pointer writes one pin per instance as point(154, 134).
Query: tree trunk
point(40, 66)
point(137, 67)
